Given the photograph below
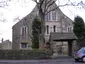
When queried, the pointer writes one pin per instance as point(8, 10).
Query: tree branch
point(41, 3)
point(50, 11)
point(71, 4)
point(35, 1)
point(49, 4)
point(4, 3)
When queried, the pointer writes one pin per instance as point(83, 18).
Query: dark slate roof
point(63, 36)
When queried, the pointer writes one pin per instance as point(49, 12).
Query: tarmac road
point(44, 61)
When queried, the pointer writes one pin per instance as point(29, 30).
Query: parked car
point(80, 55)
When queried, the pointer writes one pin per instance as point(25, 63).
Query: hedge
point(25, 54)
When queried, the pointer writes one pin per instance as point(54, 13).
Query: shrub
point(25, 54)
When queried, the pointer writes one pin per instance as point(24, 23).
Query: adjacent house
point(59, 31)
point(6, 45)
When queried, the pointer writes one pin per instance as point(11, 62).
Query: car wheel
point(83, 59)
point(76, 60)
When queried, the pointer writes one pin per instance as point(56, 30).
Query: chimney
point(2, 40)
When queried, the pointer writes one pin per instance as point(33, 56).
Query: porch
point(59, 40)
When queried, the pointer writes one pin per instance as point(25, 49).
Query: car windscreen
point(81, 50)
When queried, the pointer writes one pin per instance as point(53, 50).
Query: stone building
point(6, 45)
point(55, 22)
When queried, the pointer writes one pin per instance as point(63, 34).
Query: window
point(46, 18)
point(54, 28)
point(69, 29)
point(50, 16)
point(47, 29)
point(23, 45)
point(24, 31)
point(53, 15)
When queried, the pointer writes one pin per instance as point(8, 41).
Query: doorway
point(62, 48)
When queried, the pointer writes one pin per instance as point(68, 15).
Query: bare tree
point(43, 6)
point(4, 3)
point(16, 19)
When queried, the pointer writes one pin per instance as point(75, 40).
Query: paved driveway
point(49, 61)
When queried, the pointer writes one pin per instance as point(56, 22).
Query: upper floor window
point(69, 29)
point(54, 28)
point(51, 16)
point(47, 27)
point(24, 31)
point(48, 17)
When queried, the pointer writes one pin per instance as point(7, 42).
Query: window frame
point(24, 31)
point(47, 28)
point(24, 45)
point(54, 28)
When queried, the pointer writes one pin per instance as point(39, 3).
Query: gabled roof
point(63, 36)
point(28, 17)
point(35, 11)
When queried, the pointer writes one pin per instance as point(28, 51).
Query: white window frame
point(53, 14)
point(23, 33)
point(69, 29)
point(50, 15)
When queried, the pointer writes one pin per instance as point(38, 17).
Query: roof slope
point(61, 15)
point(28, 17)
point(63, 36)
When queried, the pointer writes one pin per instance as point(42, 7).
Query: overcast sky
point(20, 8)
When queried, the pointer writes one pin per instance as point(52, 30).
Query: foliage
point(36, 30)
point(79, 30)
point(24, 54)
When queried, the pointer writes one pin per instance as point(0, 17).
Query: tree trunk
point(42, 39)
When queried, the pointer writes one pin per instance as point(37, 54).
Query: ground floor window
point(23, 45)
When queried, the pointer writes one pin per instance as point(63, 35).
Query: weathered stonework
point(62, 23)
